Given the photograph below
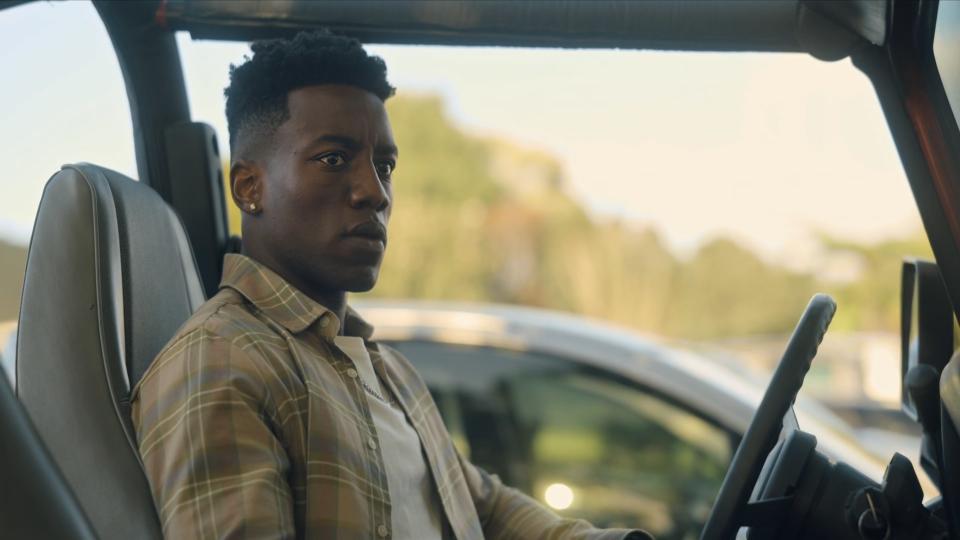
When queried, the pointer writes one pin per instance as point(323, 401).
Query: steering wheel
point(767, 421)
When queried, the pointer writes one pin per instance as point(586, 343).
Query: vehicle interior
point(71, 467)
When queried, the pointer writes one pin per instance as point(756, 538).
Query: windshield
point(697, 198)
point(654, 190)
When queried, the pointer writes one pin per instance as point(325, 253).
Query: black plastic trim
point(924, 130)
point(150, 62)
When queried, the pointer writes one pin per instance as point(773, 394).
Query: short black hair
point(257, 95)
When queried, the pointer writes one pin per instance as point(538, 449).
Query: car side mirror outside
point(923, 385)
point(927, 339)
point(926, 324)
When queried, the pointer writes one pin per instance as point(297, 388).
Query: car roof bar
point(828, 30)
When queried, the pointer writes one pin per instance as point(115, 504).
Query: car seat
point(110, 277)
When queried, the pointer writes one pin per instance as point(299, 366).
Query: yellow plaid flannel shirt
point(251, 424)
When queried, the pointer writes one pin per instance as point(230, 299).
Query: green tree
point(13, 261)
point(726, 290)
point(871, 301)
point(444, 194)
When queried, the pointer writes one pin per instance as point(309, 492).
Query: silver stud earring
point(253, 207)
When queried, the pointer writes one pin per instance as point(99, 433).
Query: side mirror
point(926, 324)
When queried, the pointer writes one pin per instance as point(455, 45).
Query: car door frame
point(911, 93)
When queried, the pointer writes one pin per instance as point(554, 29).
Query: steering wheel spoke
point(731, 509)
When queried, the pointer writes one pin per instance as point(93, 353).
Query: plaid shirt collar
point(282, 303)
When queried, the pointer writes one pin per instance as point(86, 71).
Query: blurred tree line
point(485, 220)
point(479, 219)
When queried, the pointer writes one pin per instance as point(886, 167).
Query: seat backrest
point(110, 277)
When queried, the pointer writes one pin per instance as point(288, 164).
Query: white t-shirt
point(416, 506)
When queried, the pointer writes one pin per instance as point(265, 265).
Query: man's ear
point(246, 186)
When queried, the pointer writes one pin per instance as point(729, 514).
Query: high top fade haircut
point(257, 95)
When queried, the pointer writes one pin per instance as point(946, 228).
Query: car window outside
point(64, 105)
point(584, 441)
point(946, 52)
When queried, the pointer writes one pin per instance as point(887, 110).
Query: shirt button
point(324, 321)
point(372, 443)
point(352, 373)
point(383, 531)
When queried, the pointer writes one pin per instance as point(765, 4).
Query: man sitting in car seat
point(271, 413)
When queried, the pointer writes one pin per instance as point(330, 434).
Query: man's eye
point(385, 170)
point(333, 160)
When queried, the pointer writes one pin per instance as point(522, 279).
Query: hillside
point(13, 259)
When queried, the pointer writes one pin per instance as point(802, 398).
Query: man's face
point(326, 193)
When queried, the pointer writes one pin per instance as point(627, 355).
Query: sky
point(770, 149)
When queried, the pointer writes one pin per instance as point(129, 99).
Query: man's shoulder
point(224, 329)
point(225, 316)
